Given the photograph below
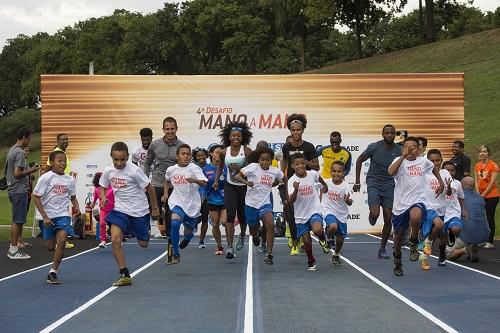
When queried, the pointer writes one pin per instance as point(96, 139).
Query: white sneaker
point(102, 245)
point(489, 246)
point(18, 255)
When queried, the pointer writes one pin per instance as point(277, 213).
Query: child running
point(52, 195)
point(215, 196)
point(303, 194)
point(409, 172)
point(335, 208)
point(131, 210)
point(104, 211)
point(200, 159)
point(185, 201)
point(260, 179)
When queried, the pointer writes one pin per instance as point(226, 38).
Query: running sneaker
point(412, 243)
point(256, 240)
point(18, 255)
point(311, 266)
point(473, 252)
point(398, 267)
point(262, 248)
point(489, 246)
point(451, 238)
point(102, 245)
point(290, 242)
point(294, 251)
point(427, 247)
point(175, 260)
point(442, 256)
point(230, 253)
point(268, 259)
point(336, 260)
point(324, 246)
point(123, 281)
point(424, 262)
point(240, 242)
point(184, 243)
point(52, 278)
point(382, 254)
point(220, 251)
point(69, 245)
point(201, 245)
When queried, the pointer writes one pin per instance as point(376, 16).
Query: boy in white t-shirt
point(260, 179)
point(335, 208)
point(303, 194)
point(140, 153)
point(131, 210)
point(52, 195)
point(433, 224)
point(185, 200)
point(453, 223)
point(409, 172)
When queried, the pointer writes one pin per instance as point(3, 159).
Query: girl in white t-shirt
point(260, 178)
point(185, 200)
point(409, 172)
point(335, 204)
point(303, 193)
point(52, 195)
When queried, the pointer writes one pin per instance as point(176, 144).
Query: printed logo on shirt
point(60, 189)
point(293, 152)
point(434, 184)
point(450, 197)
point(118, 183)
point(334, 196)
point(179, 180)
point(305, 190)
point(414, 170)
point(266, 180)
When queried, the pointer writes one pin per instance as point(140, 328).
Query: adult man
point(17, 176)
point(475, 229)
point(161, 155)
point(461, 161)
point(334, 152)
point(379, 183)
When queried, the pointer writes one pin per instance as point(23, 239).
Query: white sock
point(53, 271)
point(13, 248)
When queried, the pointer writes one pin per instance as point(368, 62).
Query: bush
point(16, 119)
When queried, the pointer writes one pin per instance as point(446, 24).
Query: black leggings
point(491, 205)
point(234, 197)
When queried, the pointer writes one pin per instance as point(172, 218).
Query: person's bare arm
point(490, 185)
point(359, 162)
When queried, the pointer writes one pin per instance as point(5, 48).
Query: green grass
point(476, 55)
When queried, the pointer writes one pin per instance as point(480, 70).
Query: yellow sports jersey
point(274, 163)
point(329, 156)
point(68, 165)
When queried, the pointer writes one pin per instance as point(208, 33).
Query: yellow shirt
point(329, 156)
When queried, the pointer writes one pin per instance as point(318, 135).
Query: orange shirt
point(483, 172)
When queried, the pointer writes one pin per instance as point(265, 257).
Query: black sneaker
point(413, 244)
point(230, 253)
point(175, 260)
point(256, 240)
point(442, 256)
point(268, 259)
point(311, 266)
point(52, 278)
point(398, 267)
point(451, 238)
point(336, 260)
point(184, 243)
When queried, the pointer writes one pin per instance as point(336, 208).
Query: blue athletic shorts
point(380, 195)
point(253, 215)
point(427, 222)
point(303, 228)
point(58, 223)
point(19, 203)
point(187, 222)
point(454, 222)
point(403, 220)
point(341, 227)
point(138, 226)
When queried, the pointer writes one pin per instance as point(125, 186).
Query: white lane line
point(451, 262)
point(50, 263)
point(248, 323)
point(94, 300)
point(402, 298)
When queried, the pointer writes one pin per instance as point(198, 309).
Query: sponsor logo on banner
point(353, 217)
point(91, 166)
point(261, 121)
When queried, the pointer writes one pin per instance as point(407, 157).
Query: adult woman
point(296, 123)
point(486, 174)
point(235, 137)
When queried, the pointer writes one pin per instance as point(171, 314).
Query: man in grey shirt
point(380, 184)
point(161, 155)
point(17, 176)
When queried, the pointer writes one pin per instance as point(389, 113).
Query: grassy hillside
point(478, 56)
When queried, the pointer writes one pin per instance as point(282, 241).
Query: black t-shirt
point(462, 164)
point(305, 148)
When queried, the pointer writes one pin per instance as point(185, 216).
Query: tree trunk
point(357, 31)
point(420, 20)
point(429, 21)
